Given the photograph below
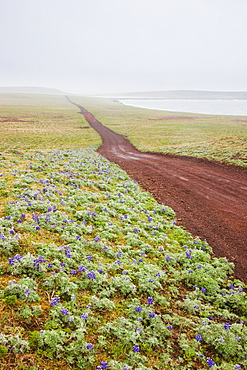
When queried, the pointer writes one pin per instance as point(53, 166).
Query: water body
point(221, 107)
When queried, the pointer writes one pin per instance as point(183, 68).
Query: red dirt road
point(209, 198)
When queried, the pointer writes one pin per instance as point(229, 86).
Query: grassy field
point(42, 122)
point(49, 121)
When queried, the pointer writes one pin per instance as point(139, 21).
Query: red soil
point(209, 198)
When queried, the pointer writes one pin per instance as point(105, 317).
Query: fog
point(104, 46)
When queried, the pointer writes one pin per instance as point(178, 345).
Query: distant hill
point(30, 90)
point(182, 94)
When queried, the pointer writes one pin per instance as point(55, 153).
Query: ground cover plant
point(95, 274)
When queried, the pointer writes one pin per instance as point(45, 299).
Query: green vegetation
point(94, 273)
point(42, 122)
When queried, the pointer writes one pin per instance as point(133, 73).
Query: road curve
point(209, 198)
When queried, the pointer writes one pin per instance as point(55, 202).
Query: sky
point(107, 46)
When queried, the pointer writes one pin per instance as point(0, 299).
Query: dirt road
point(209, 198)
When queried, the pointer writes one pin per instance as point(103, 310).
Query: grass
point(44, 122)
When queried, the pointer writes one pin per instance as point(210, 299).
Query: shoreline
point(193, 106)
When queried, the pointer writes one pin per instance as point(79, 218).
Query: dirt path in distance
point(209, 198)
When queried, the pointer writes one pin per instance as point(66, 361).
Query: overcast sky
point(97, 46)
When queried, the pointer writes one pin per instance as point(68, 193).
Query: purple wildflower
point(27, 292)
point(188, 254)
point(82, 268)
point(84, 316)
point(136, 348)
point(151, 315)
point(89, 346)
point(67, 253)
point(210, 362)
point(237, 367)
point(138, 309)
point(198, 337)
point(150, 300)
point(91, 275)
point(227, 326)
point(65, 311)
point(203, 290)
point(12, 260)
point(104, 365)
